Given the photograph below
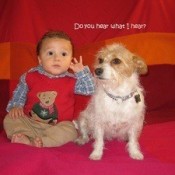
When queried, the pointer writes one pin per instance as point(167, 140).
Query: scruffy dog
point(116, 110)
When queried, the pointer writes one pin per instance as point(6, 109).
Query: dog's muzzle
point(98, 71)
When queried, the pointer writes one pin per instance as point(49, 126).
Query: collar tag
point(137, 98)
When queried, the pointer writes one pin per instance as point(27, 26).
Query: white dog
point(116, 110)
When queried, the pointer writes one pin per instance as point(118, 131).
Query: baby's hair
point(52, 34)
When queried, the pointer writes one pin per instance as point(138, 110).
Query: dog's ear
point(140, 65)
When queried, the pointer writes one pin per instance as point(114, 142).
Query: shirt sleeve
point(85, 83)
point(19, 94)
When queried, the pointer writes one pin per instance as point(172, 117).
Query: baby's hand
point(16, 112)
point(77, 66)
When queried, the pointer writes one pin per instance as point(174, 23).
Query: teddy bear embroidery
point(45, 109)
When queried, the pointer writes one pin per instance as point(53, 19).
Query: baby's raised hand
point(77, 66)
point(16, 112)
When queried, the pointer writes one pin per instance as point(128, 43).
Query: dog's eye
point(100, 60)
point(116, 61)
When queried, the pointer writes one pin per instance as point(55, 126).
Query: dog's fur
point(107, 116)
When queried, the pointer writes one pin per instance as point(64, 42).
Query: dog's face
point(115, 62)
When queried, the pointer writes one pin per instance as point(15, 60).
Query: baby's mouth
point(56, 66)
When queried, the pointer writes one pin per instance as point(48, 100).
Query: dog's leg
point(83, 138)
point(133, 146)
point(98, 145)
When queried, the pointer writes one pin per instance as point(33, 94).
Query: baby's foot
point(37, 142)
point(20, 138)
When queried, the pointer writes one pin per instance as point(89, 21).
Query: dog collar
point(121, 99)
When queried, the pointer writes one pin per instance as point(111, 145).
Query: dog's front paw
point(137, 155)
point(81, 140)
point(95, 156)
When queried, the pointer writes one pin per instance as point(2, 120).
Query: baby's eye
point(50, 53)
point(63, 54)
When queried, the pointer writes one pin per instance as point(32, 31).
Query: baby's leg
point(20, 138)
point(37, 142)
point(59, 134)
point(23, 139)
point(22, 130)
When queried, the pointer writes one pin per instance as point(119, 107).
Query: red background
point(27, 20)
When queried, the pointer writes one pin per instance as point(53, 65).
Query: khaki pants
point(51, 135)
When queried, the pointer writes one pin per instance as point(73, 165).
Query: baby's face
point(55, 55)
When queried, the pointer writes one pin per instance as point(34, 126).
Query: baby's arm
point(77, 66)
point(15, 105)
point(85, 82)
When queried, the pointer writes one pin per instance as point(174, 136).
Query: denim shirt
point(84, 85)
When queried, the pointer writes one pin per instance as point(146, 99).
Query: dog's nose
point(98, 71)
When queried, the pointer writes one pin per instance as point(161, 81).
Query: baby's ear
point(39, 60)
point(140, 65)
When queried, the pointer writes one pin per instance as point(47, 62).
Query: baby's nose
point(98, 71)
point(56, 57)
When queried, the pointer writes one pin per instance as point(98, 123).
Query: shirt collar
point(43, 72)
